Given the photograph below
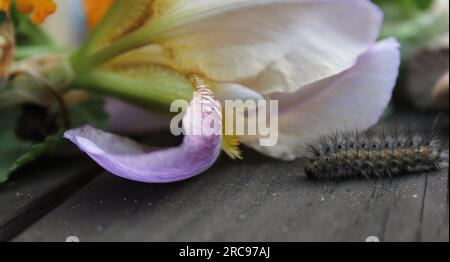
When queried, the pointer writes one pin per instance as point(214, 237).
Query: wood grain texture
point(259, 199)
point(38, 189)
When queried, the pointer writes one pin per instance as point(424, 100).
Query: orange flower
point(4, 5)
point(95, 10)
point(38, 10)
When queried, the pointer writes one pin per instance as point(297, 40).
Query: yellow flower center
point(38, 10)
point(230, 145)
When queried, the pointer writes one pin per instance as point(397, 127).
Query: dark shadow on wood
point(39, 188)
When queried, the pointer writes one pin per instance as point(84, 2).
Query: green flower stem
point(156, 92)
point(150, 86)
point(149, 34)
point(23, 52)
point(132, 41)
point(97, 59)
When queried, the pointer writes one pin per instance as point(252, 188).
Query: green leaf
point(413, 22)
point(90, 112)
point(11, 147)
point(15, 153)
point(50, 144)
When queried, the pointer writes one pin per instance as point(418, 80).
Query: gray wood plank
point(37, 189)
point(259, 199)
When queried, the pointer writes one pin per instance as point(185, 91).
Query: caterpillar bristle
point(352, 154)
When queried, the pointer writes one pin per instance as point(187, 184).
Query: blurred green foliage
point(413, 22)
point(401, 9)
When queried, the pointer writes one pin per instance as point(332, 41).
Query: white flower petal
point(355, 99)
point(233, 92)
point(277, 45)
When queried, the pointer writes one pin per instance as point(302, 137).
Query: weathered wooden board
point(38, 189)
point(259, 199)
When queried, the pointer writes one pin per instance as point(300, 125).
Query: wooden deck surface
point(258, 199)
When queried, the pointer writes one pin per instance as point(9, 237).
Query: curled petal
point(355, 99)
point(125, 158)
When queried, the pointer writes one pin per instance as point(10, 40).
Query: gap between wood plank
point(26, 216)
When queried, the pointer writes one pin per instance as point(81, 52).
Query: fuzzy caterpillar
point(354, 154)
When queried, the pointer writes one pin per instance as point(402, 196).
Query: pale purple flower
point(319, 58)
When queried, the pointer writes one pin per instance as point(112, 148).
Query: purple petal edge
point(127, 159)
